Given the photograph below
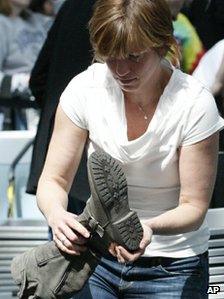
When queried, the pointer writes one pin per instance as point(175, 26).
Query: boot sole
point(110, 184)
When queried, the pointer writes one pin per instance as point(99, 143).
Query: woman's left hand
point(124, 256)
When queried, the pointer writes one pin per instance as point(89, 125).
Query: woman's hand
point(68, 234)
point(124, 256)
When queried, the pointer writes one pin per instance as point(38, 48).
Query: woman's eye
point(134, 57)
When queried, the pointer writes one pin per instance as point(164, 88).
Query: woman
point(162, 125)
point(22, 34)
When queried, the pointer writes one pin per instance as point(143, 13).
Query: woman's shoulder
point(186, 93)
point(188, 85)
point(191, 104)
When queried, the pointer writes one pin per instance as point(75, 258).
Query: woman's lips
point(126, 81)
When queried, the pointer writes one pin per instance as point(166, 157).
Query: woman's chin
point(129, 86)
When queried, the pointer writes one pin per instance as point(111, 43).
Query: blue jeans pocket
point(192, 266)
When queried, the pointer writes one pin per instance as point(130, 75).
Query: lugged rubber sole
point(110, 185)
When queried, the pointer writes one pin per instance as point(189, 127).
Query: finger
point(144, 243)
point(78, 227)
point(74, 236)
point(68, 244)
point(127, 256)
point(71, 234)
point(65, 249)
point(146, 237)
point(119, 256)
point(112, 250)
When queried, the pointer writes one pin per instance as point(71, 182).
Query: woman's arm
point(64, 154)
point(197, 168)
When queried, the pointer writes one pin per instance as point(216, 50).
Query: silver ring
point(63, 241)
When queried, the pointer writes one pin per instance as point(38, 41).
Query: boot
point(108, 209)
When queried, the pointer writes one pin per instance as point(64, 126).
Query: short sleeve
point(202, 119)
point(72, 101)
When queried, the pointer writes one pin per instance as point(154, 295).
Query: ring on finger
point(63, 241)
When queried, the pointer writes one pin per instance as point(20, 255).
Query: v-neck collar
point(133, 150)
point(155, 116)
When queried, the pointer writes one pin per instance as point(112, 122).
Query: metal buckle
point(96, 227)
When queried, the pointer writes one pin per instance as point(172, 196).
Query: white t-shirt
point(186, 113)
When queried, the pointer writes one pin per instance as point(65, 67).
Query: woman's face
point(134, 72)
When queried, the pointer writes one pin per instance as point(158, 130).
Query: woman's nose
point(122, 68)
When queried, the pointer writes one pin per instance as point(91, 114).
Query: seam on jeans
point(121, 277)
point(183, 272)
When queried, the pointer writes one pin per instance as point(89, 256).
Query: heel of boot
point(129, 231)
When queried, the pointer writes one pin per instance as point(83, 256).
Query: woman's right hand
point(68, 234)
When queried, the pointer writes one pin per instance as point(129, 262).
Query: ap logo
point(213, 289)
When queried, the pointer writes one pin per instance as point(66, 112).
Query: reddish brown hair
point(119, 27)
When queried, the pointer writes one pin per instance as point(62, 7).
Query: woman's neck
point(152, 91)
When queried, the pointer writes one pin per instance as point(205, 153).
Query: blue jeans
point(149, 278)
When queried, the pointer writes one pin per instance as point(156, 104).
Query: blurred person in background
point(22, 33)
point(66, 52)
point(190, 45)
point(57, 5)
point(45, 7)
point(207, 16)
point(218, 86)
point(210, 72)
point(210, 69)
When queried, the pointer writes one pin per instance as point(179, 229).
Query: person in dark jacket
point(66, 52)
point(207, 16)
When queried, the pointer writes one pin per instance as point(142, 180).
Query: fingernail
point(87, 235)
point(141, 245)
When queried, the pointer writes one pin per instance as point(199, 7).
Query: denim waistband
point(147, 261)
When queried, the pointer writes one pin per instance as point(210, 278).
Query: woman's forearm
point(184, 218)
point(197, 169)
point(51, 197)
point(62, 161)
